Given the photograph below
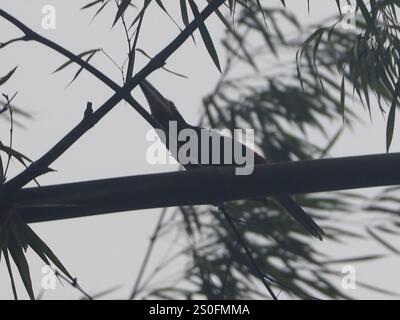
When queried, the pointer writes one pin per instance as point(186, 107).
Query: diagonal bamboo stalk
point(30, 35)
point(41, 165)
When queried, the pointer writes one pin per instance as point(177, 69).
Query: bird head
point(161, 108)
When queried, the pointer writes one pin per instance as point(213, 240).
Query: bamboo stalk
point(205, 186)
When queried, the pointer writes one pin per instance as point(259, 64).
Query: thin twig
point(300, 294)
point(5, 44)
point(163, 263)
point(228, 269)
point(74, 284)
point(114, 63)
point(9, 107)
point(132, 47)
point(149, 251)
point(244, 245)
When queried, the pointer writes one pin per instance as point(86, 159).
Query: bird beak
point(161, 108)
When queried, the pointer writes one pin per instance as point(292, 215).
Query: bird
point(164, 111)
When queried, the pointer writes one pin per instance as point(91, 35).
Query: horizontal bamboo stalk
point(205, 186)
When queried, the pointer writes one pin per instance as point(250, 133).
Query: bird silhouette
point(165, 111)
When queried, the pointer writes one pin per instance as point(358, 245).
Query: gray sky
point(106, 251)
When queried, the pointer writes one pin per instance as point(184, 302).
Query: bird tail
point(300, 216)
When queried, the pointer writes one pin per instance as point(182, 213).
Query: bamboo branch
point(205, 186)
point(31, 35)
point(41, 165)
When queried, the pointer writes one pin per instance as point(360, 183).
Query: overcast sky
point(106, 251)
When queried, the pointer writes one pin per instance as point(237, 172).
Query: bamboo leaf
point(81, 55)
point(382, 241)
point(7, 77)
point(391, 117)
point(42, 249)
point(16, 250)
point(8, 263)
point(91, 4)
point(90, 56)
point(121, 10)
point(342, 97)
point(205, 35)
